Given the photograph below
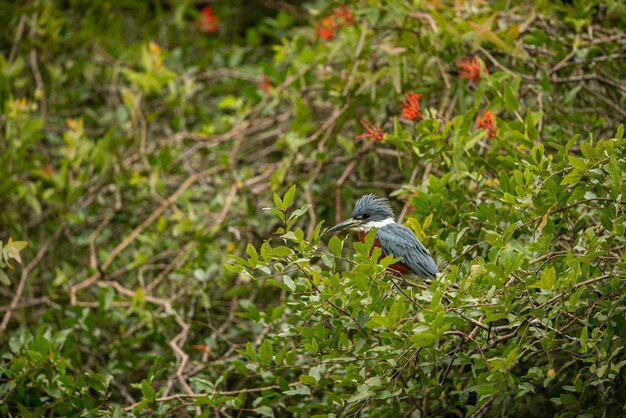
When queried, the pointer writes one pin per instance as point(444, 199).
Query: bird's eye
point(366, 216)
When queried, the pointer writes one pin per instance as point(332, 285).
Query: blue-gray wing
point(400, 241)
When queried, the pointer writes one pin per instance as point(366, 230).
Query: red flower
point(326, 28)
point(208, 22)
point(375, 134)
point(265, 85)
point(411, 108)
point(341, 17)
point(471, 69)
point(487, 122)
point(344, 16)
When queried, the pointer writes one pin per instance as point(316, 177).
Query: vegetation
point(168, 169)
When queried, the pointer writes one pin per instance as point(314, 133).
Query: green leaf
point(572, 178)
point(510, 101)
point(280, 356)
point(4, 279)
point(276, 212)
point(266, 251)
point(250, 353)
point(369, 239)
point(11, 250)
point(547, 280)
point(288, 198)
point(138, 297)
point(335, 245)
point(147, 391)
point(317, 372)
point(307, 380)
point(583, 339)
point(311, 347)
point(290, 283)
point(505, 182)
point(266, 352)
point(254, 257)
point(363, 393)
point(299, 212)
point(281, 251)
point(427, 222)
point(278, 203)
point(616, 174)
point(483, 389)
point(423, 337)
point(619, 134)
point(299, 390)
point(264, 410)
point(578, 163)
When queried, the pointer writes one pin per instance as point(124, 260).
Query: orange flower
point(411, 108)
point(375, 134)
point(471, 69)
point(265, 85)
point(340, 17)
point(326, 28)
point(487, 122)
point(208, 22)
point(344, 16)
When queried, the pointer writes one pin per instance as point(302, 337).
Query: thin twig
point(158, 212)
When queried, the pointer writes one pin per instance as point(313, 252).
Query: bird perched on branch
point(395, 239)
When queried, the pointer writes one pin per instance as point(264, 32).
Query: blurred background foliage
point(140, 142)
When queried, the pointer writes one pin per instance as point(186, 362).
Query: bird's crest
point(372, 204)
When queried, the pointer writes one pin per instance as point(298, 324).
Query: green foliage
point(509, 320)
point(9, 251)
point(173, 186)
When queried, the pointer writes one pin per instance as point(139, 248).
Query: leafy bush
point(142, 141)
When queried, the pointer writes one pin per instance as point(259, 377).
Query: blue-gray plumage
point(373, 212)
point(400, 241)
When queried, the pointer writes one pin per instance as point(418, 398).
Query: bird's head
point(369, 212)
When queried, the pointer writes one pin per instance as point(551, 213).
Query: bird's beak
point(347, 224)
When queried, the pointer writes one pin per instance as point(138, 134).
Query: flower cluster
point(471, 69)
point(373, 133)
point(208, 22)
point(411, 108)
point(326, 28)
point(487, 123)
point(340, 17)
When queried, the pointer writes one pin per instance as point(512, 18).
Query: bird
point(394, 239)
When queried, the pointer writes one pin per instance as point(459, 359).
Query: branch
point(575, 287)
point(158, 212)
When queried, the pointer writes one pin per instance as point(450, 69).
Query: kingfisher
point(370, 212)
